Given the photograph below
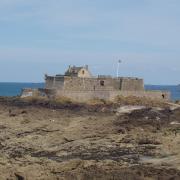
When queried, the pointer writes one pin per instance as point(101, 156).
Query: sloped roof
point(73, 71)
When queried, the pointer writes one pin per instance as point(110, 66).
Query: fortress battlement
point(79, 84)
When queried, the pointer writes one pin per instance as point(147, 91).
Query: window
point(163, 96)
point(102, 83)
point(83, 72)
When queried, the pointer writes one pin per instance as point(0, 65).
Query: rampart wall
point(83, 96)
point(93, 84)
point(54, 82)
point(83, 89)
point(88, 84)
point(132, 84)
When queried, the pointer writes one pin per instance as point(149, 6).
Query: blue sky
point(45, 36)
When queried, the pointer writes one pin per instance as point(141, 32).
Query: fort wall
point(102, 87)
point(160, 95)
point(92, 84)
point(132, 84)
point(54, 82)
point(83, 96)
point(78, 84)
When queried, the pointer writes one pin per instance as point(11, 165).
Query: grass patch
point(35, 99)
point(97, 101)
point(62, 100)
point(141, 101)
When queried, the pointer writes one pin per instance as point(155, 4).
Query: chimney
point(86, 66)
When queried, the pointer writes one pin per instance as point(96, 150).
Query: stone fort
point(79, 84)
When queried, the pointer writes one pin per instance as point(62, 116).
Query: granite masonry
point(79, 84)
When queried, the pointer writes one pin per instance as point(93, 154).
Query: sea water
point(14, 89)
point(174, 90)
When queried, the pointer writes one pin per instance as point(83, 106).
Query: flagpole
point(119, 61)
